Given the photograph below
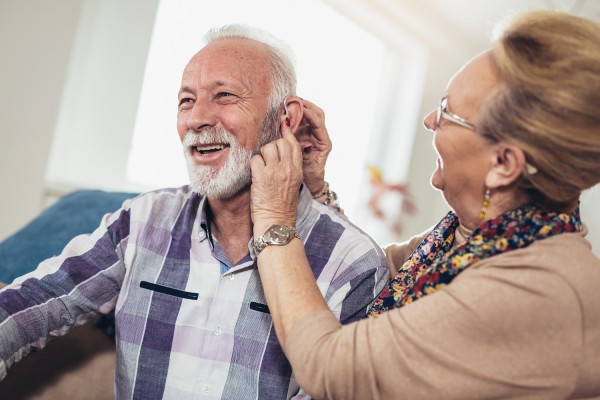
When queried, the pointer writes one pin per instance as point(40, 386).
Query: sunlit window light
point(338, 66)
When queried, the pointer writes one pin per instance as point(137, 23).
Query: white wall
point(101, 95)
point(36, 38)
point(590, 214)
point(73, 67)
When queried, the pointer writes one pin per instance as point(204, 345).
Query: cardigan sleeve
point(510, 330)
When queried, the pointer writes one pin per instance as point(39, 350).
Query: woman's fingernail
point(287, 122)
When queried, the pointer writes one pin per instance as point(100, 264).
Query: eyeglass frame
point(442, 112)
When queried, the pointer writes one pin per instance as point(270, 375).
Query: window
point(338, 64)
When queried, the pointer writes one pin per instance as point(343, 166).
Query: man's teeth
point(210, 148)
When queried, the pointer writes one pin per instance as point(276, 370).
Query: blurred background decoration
point(380, 191)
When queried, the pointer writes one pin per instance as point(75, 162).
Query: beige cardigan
point(520, 325)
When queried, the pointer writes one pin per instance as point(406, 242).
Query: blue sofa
point(81, 364)
point(76, 213)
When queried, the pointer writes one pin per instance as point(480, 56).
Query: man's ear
point(507, 166)
point(294, 110)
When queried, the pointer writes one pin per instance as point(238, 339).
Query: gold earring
point(485, 204)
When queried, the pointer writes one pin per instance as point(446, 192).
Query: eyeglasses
point(442, 112)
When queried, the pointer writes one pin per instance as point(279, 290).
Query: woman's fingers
point(276, 177)
point(313, 108)
point(288, 146)
point(270, 153)
point(312, 131)
point(281, 152)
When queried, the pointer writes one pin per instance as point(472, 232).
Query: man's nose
point(201, 116)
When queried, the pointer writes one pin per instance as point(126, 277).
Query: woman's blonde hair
point(549, 103)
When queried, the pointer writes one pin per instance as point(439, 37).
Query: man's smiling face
point(223, 102)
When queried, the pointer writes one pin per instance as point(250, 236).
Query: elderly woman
point(501, 298)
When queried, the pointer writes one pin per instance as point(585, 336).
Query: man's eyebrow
point(184, 89)
point(218, 84)
point(214, 85)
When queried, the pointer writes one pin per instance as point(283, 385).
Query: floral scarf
point(434, 263)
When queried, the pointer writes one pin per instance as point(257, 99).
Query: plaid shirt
point(189, 324)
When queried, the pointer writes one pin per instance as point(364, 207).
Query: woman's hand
point(276, 179)
point(288, 282)
point(316, 146)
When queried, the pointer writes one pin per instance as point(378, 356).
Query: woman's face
point(464, 155)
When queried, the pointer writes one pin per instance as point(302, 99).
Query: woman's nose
point(429, 121)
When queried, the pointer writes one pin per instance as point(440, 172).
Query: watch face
point(278, 234)
point(275, 235)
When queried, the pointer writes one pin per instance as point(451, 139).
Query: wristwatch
point(276, 235)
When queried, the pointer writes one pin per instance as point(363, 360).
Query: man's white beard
point(215, 182)
point(235, 175)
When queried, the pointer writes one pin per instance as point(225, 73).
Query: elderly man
point(179, 265)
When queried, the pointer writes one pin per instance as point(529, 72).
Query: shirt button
point(231, 277)
point(218, 331)
point(201, 235)
point(205, 388)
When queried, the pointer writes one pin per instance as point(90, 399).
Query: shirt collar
point(304, 206)
point(204, 231)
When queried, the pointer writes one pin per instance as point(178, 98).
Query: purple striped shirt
point(186, 328)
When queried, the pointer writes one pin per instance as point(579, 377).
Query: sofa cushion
point(46, 235)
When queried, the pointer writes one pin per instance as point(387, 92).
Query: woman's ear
point(507, 166)
point(294, 111)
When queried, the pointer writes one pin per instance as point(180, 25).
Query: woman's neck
point(461, 234)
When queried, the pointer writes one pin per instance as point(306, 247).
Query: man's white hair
point(282, 59)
